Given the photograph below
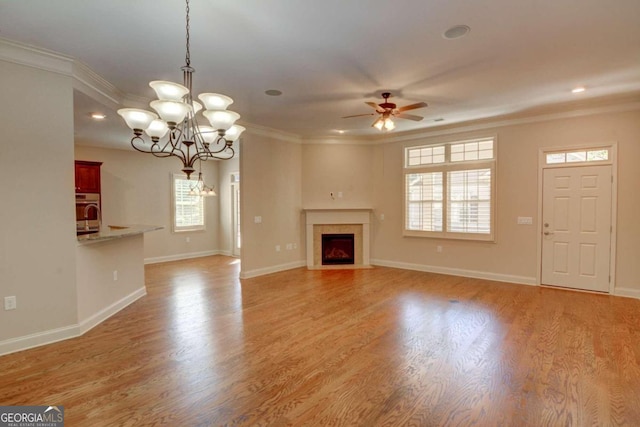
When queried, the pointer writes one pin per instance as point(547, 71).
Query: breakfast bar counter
point(111, 232)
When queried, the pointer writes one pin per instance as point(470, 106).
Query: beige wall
point(270, 187)
point(136, 189)
point(515, 252)
point(37, 226)
point(96, 263)
point(337, 169)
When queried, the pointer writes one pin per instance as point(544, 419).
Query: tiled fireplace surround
point(337, 221)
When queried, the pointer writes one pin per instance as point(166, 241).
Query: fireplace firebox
point(338, 249)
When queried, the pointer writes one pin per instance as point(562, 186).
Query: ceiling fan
point(387, 110)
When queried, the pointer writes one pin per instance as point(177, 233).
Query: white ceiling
point(329, 57)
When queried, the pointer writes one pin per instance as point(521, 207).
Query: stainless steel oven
point(87, 211)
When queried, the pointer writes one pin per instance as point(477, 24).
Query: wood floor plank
point(370, 347)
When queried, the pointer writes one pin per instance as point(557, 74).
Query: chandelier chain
point(188, 55)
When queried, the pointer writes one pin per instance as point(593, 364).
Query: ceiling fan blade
point(359, 115)
point(372, 105)
point(412, 106)
point(409, 117)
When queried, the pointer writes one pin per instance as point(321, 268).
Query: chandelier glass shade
point(173, 128)
point(201, 189)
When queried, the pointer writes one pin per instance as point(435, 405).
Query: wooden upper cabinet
point(87, 177)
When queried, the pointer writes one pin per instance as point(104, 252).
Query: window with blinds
point(188, 209)
point(450, 190)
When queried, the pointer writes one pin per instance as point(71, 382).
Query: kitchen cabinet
point(87, 177)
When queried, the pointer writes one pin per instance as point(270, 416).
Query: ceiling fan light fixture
point(388, 124)
point(378, 124)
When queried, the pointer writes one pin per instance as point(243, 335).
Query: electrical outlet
point(257, 219)
point(339, 194)
point(295, 246)
point(381, 217)
point(289, 246)
point(439, 249)
point(115, 275)
point(10, 303)
point(188, 239)
point(277, 248)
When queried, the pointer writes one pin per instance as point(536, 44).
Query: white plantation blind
point(188, 210)
point(449, 190)
point(469, 201)
point(424, 201)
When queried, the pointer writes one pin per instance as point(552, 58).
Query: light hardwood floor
point(379, 347)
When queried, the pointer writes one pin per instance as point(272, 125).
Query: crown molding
point(95, 86)
point(604, 105)
point(35, 57)
point(271, 133)
point(611, 105)
point(90, 83)
point(341, 140)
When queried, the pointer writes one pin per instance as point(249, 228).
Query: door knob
point(547, 233)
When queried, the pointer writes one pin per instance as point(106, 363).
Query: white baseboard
point(274, 269)
point(40, 338)
point(523, 280)
point(627, 292)
point(59, 334)
point(93, 321)
point(188, 255)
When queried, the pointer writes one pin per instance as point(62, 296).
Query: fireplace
point(353, 222)
point(338, 249)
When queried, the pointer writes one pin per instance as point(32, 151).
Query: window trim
point(577, 148)
point(449, 166)
point(181, 229)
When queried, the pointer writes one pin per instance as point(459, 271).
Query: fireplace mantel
point(333, 216)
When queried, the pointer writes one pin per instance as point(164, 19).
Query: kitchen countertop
point(110, 232)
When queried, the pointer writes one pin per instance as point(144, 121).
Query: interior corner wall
point(37, 225)
point(514, 255)
point(270, 196)
point(136, 189)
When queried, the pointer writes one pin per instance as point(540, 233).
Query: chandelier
point(186, 139)
point(201, 189)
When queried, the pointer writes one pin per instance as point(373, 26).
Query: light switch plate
point(10, 303)
point(525, 220)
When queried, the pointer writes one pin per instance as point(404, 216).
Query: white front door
point(576, 227)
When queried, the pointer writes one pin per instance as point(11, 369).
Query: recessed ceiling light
point(578, 90)
point(98, 116)
point(273, 92)
point(340, 131)
point(456, 32)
